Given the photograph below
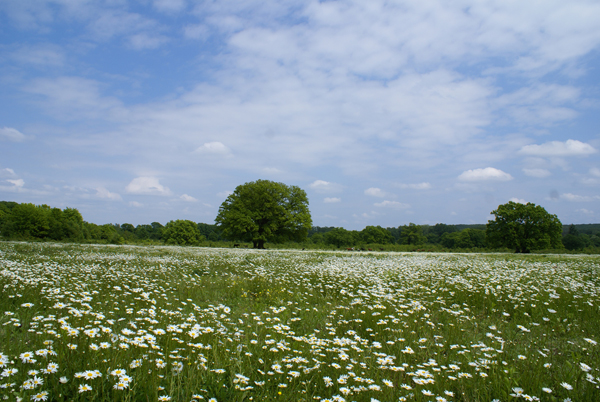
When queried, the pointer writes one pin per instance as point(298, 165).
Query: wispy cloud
point(11, 134)
point(391, 204)
point(558, 148)
point(331, 200)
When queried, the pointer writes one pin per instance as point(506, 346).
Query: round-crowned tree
point(264, 210)
point(524, 227)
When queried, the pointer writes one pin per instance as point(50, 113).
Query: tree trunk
point(259, 244)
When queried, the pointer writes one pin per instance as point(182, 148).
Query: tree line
point(43, 223)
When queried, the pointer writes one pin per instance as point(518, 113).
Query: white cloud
point(215, 147)
point(147, 185)
point(585, 211)
point(578, 198)
point(322, 186)
point(102, 192)
point(17, 182)
point(7, 172)
point(416, 186)
point(11, 134)
point(188, 198)
point(487, 174)
point(539, 173)
point(329, 200)
point(375, 192)
point(392, 204)
point(135, 204)
point(557, 148)
point(595, 172)
point(518, 200)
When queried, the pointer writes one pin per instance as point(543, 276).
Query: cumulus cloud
point(11, 134)
point(215, 147)
point(392, 204)
point(558, 148)
point(322, 186)
point(331, 200)
point(539, 173)
point(102, 192)
point(375, 192)
point(188, 198)
point(487, 174)
point(518, 200)
point(147, 185)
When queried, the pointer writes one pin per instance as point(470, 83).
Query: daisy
point(41, 396)
point(84, 388)
point(566, 386)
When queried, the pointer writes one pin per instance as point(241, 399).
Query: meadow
point(124, 323)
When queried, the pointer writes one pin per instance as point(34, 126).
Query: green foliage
point(412, 234)
point(376, 234)
point(264, 210)
point(182, 233)
point(524, 228)
point(341, 237)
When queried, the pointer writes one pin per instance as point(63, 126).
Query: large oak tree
point(264, 210)
point(524, 227)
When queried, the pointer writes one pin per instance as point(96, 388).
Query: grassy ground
point(167, 323)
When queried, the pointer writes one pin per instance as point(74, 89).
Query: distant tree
point(182, 233)
point(524, 227)
point(412, 234)
point(341, 237)
point(264, 210)
point(376, 234)
point(28, 221)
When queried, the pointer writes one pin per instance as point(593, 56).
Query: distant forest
point(43, 223)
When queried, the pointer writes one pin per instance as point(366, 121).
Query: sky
point(384, 112)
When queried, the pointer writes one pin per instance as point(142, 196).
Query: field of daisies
point(121, 323)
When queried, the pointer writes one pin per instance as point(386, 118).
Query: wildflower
point(440, 399)
point(121, 385)
point(547, 390)
point(547, 365)
point(566, 386)
point(388, 383)
point(521, 357)
point(164, 398)
point(593, 342)
point(585, 367)
point(212, 400)
point(84, 388)
point(41, 396)
point(63, 380)
point(27, 305)
point(9, 372)
point(118, 372)
point(328, 382)
point(52, 368)
point(449, 393)
point(427, 392)
point(27, 357)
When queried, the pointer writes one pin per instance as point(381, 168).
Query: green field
point(112, 323)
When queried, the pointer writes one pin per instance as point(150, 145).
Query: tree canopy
point(264, 210)
point(524, 227)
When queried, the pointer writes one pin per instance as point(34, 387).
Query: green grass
point(241, 325)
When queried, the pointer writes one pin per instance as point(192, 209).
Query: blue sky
point(385, 112)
